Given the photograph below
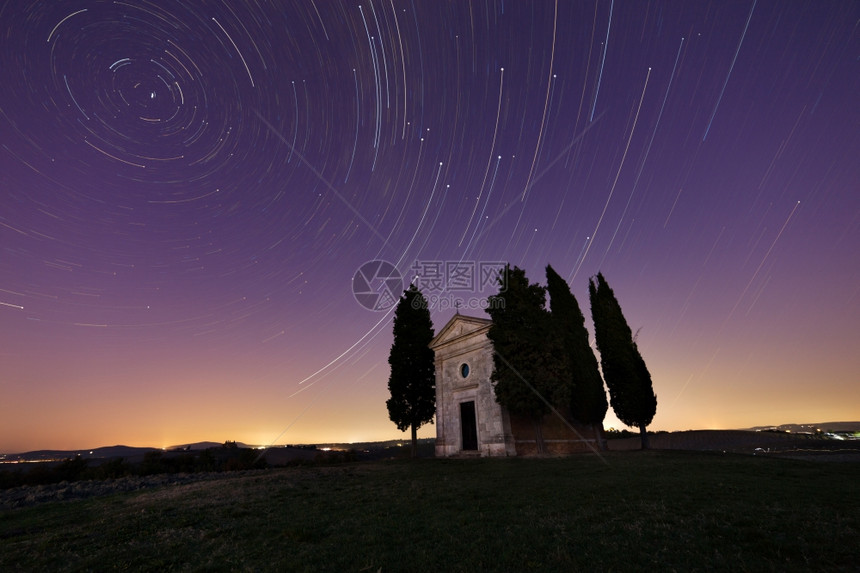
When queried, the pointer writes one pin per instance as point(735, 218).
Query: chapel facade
point(469, 421)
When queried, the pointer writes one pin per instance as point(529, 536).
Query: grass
point(645, 511)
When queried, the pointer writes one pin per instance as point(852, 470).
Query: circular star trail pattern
point(189, 188)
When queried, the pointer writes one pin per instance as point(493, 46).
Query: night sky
point(189, 188)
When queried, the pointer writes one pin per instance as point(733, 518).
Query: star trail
point(189, 188)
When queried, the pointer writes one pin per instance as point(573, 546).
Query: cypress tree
point(630, 391)
point(412, 382)
point(588, 403)
point(528, 371)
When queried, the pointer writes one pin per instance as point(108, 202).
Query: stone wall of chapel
point(452, 389)
point(464, 341)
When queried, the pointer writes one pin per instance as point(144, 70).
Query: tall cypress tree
point(588, 403)
point(527, 368)
point(412, 382)
point(630, 391)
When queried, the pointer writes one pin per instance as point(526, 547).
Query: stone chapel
point(469, 421)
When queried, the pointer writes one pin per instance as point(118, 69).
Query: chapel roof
point(460, 326)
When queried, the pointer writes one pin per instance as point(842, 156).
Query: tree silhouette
point(412, 382)
point(529, 371)
point(588, 398)
point(630, 391)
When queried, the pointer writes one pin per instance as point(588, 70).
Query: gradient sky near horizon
point(188, 189)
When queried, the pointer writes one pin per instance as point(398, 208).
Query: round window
point(464, 370)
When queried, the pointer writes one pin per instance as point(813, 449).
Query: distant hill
point(811, 428)
point(103, 453)
point(204, 446)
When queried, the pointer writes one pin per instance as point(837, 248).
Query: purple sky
point(188, 189)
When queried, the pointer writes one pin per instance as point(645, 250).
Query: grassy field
point(643, 511)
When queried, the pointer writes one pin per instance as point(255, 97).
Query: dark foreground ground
point(624, 511)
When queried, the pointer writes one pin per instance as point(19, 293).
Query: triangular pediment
point(459, 327)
